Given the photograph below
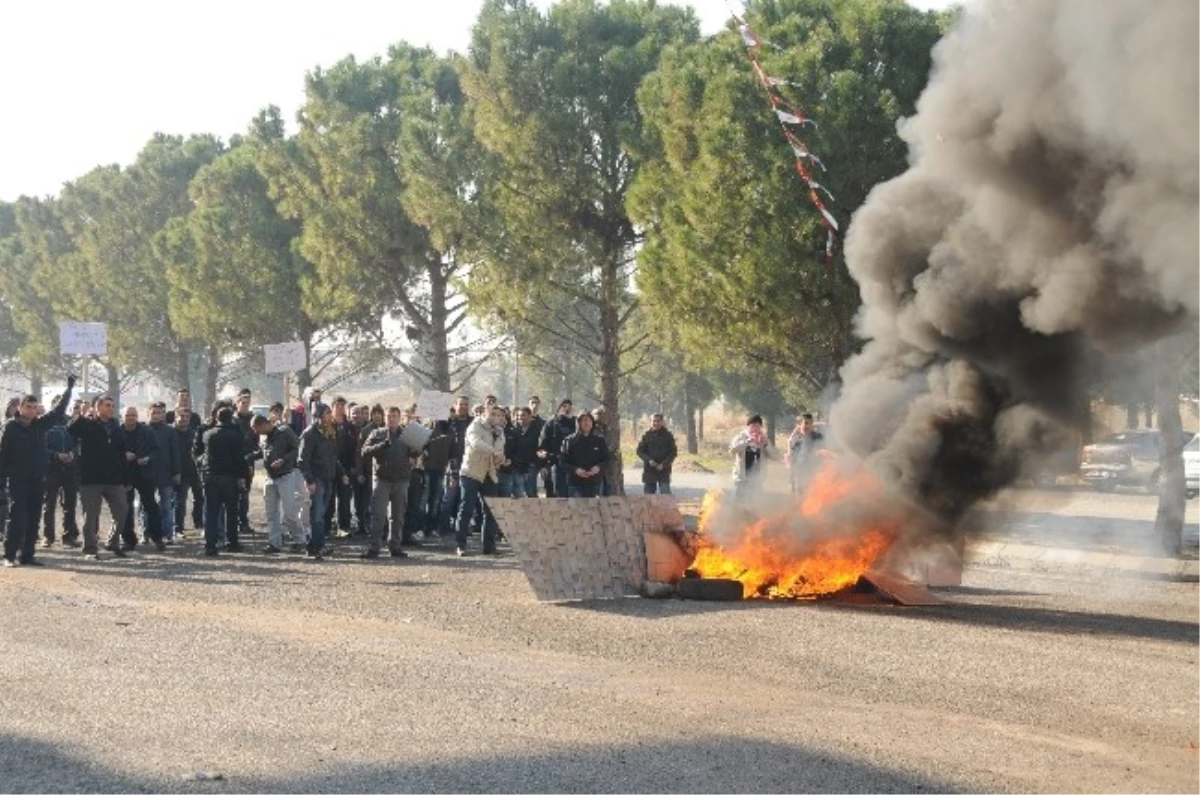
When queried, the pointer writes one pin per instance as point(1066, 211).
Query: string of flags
point(792, 118)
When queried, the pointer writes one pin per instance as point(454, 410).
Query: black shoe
point(313, 554)
point(118, 552)
point(70, 541)
point(298, 549)
point(399, 553)
point(272, 550)
point(32, 562)
point(371, 554)
point(234, 548)
point(209, 553)
point(409, 542)
point(160, 546)
point(129, 547)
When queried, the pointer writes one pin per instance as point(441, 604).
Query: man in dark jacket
point(583, 457)
point(102, 460)
point(658, 451)
point(187, 426)
point(166, 470)
point(139, 480)
point(280, 451)
point(23, 472)
point(319, 465)
point(554, 435)
point(62, 478)
point(524, 456)
point(437, 460)
point(224, 473)
point(544, 472)
point(244, 417)
point(345, 442)
point(393, 472)
point(364, 423)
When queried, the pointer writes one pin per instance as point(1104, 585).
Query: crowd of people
point(337, 467)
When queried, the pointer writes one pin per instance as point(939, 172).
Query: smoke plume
point(1050, 211)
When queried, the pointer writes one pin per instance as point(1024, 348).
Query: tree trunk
point(114, 385)
point(772, 427)
point(610, 368)
point(35, 384)
point(700, 424)
point(438, 346)
point(212, 371)
point(1172, 496)
point(690, 413)
point(183, 371)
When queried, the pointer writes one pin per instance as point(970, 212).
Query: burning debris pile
point(1050, 212)
point(819, 545)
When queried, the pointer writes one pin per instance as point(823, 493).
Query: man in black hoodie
point(23, 472)
point(554, 435)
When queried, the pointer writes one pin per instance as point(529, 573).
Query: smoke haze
point(1050, 211)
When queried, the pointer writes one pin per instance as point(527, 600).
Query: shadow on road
point(707, 764)
point(1041, 619)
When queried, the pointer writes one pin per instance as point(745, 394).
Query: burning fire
point(838, 530)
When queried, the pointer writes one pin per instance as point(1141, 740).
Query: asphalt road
point(441, 674)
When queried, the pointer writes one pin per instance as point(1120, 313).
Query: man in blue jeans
point(318, 463)
point(482, 457)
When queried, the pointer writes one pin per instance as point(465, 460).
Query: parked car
point(1191, 467)
point(1128, 458)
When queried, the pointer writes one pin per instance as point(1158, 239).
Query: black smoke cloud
point(1050, 212)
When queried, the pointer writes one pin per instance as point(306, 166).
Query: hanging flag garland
point(791, 116)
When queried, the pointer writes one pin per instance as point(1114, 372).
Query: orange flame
point(838, 530)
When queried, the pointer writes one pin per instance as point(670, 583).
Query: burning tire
point(710, 590)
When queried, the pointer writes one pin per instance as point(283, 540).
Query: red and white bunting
point(788, 114)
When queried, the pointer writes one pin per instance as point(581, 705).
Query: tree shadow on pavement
point(1043, 619)
point(710, 763)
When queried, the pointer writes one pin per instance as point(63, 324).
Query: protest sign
point(88, 339)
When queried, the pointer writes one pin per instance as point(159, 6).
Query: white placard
point(82, 338)
point(286, 357)
point(434, 405)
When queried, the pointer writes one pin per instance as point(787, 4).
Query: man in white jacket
point(747, 449)
point(483, 455)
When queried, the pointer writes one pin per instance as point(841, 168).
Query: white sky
point(87, 83)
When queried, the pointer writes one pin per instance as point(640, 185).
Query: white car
point(1191, 466)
